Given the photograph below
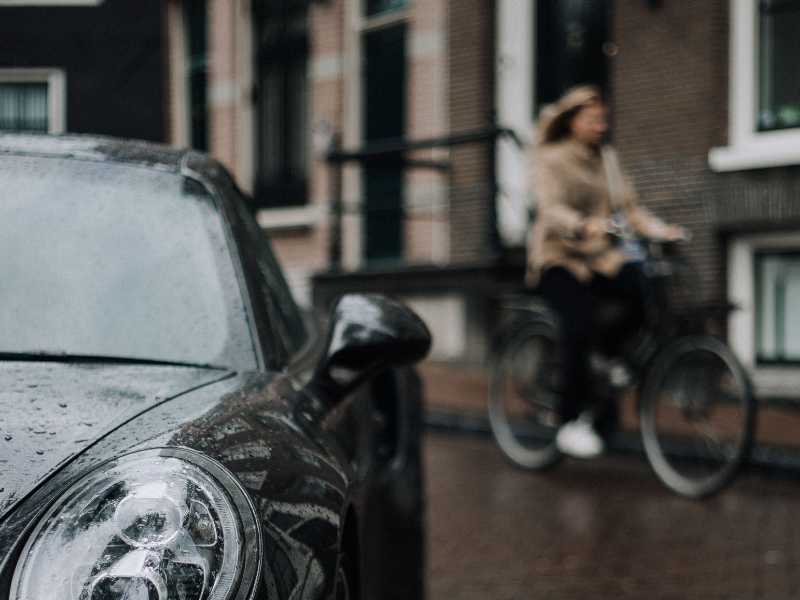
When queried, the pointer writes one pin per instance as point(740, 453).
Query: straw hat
point(554, 119)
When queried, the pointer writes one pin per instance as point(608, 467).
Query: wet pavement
point(456, 398)
point(601, 529)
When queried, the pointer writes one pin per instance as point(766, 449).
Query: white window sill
point(776, 382)
point(777, 149)
point(286, 219)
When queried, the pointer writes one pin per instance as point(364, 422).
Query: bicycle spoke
point(521, 407)
point(697, 416)
point(712, 442)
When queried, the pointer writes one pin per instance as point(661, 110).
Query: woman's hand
point(592, 228)
point(675, 233)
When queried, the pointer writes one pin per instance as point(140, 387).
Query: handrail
point(399, 146)
point(395, 151)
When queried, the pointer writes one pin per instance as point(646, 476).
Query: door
point(384, 118)
point(571, 46)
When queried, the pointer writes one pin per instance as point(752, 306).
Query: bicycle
point(696, 409)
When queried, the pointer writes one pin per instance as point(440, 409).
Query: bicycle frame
point(655, 358)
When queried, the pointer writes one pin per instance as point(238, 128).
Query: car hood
point(51, 412)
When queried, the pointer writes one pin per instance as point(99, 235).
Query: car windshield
point(109, 260)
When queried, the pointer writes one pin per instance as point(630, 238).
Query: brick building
point(706, 111)
point(708, 123)
point(426, 198)
point(285, 78)
point(83, 66)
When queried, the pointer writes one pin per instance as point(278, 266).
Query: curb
point(767, 458)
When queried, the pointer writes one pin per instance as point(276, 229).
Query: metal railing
point(394, 154)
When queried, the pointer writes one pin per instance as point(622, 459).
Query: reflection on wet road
point(601, 529)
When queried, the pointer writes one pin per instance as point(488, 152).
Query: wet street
point(601, 529)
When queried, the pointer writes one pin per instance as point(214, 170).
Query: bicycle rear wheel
point(523, 395)
point(698, 416)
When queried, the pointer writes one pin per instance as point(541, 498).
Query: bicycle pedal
point(620, 376)
point(614, 371)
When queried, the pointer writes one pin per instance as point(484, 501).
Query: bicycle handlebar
point(624, 232)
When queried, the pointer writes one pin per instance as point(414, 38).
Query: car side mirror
point(368, 333)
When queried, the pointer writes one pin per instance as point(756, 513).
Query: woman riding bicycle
point(580, 190)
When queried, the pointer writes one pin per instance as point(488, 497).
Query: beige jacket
point(570, 184)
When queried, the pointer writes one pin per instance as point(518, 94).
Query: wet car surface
point(171, 425)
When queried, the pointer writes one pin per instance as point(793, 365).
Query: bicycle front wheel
point(523, 396)
point(697, 416)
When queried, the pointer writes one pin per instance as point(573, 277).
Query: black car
point(172, 426)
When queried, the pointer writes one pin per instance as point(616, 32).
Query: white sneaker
point(579, 439)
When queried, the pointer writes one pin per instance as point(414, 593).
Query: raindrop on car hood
point(75, 406)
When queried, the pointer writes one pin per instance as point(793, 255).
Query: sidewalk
point(455, 397)
point(600, 529)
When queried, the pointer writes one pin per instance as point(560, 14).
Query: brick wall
point(336, 78)
point(302, 250)
point(470, 93)
point(759, 200)
point(450, 89)
point(427, 232)
point(223, 83)
point(670, 101)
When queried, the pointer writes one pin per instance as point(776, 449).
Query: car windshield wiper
point(64, 357)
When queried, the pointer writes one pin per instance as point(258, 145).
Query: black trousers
point(574, 302)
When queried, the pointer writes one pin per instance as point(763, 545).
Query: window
point(383, 85)
point(377, 7)
point(282, 102)
point(196, 20)
point(777, 281)
point(149, 273)
point(32, 100)
point(779, 51)
point(571, 44)
point(763, 278)
point(764, 94)
point(23, 107)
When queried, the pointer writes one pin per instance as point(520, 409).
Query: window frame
point(515, 92)
point(56, 81)
point(749, 148)
point(287, 344)
point(386, 18)
point(365, 14)
point(222, 189)
point(770, 379)
point(296, 190)
point(268, 275)
point(189, 70)
point(759, 255)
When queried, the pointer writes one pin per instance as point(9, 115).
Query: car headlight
point(165, 524)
